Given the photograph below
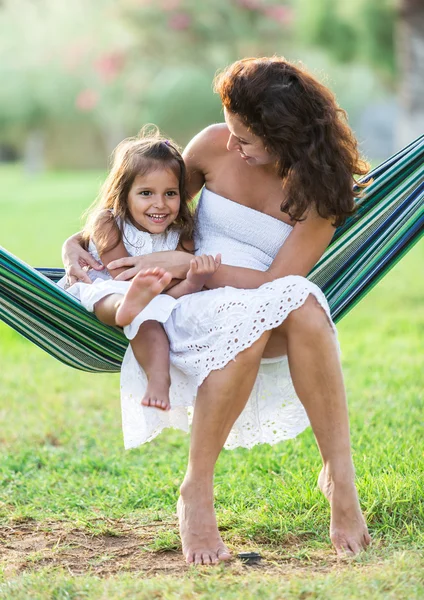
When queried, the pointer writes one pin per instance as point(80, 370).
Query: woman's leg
point(220, 400)
point(317, 378)
point(316, 373)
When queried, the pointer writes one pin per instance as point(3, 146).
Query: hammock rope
point(388, 222)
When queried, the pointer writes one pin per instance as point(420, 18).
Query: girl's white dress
point(137, 243)
point(208, 329)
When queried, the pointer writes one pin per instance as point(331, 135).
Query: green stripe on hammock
point(389, 221)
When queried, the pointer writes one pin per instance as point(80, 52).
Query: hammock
point(389, 220)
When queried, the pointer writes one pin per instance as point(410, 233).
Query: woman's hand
point(175, 262)
point(76, 260)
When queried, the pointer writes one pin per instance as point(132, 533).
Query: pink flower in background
point(109, 66)
point(87, 100)
point(250, 4)
point(280, 13)
point(179, 21)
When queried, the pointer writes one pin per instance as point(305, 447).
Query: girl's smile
point(154, 200)
point(158, 218)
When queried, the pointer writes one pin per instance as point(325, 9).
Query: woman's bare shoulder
point(211, 141)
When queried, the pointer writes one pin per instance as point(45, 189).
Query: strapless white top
point(244, 236)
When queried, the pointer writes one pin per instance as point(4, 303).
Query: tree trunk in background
point(410, 57)
point(34, 151)
point(113, 133)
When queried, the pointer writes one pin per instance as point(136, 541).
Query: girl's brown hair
point(134, 156)
point(300, 122)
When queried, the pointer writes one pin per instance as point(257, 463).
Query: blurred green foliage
point(360, 31)
point(96, 71)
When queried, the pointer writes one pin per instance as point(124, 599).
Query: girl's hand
point(201, 268)
point(175, 262)
point(76, 260)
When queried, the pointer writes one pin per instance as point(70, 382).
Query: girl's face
point(154, 200)
point(250, 146)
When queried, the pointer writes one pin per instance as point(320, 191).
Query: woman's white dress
point(208, 329)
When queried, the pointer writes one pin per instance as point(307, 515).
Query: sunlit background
point(81, 518)
point(78, 76)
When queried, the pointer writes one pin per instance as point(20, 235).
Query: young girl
point(143, 208)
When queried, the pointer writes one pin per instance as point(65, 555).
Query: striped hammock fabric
point(389, 220)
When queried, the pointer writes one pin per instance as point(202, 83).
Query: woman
point(283, 165)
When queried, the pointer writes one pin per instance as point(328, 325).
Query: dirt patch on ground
point(127, 547)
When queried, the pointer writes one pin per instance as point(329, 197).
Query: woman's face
point(250, 146)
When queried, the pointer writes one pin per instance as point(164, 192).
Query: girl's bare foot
point(348, 530)
point(145, 286)
point(157, 394)
point(201, 542)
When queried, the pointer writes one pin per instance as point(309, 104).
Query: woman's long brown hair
point(135, 156)
point(301, 124)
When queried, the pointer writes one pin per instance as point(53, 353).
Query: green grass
point(63, 466)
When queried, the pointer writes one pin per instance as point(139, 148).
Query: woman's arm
point(175, 262)
point(298, 255)
point(196, 155)
point(76, 259)
point(119, 263)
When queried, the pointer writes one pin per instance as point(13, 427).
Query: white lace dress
point(208, 329)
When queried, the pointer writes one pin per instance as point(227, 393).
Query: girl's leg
point(105, 309)
point(151, 350)
point(220, 400)
point(145, 286)
point(119, 309)
point(150, 345)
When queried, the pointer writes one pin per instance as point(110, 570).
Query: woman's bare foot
point(157, 394)
point(201, 542)
point(145, 286)
point(348, 530)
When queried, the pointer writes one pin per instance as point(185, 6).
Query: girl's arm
point(106, 232)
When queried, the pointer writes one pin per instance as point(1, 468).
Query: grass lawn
point(82, 518)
